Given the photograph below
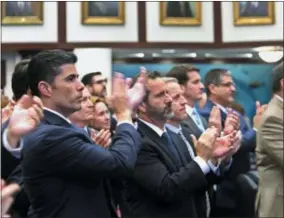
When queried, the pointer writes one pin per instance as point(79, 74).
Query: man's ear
point(44, 88)
point(212, 89)
point(142, 108)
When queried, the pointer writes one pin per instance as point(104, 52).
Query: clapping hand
point(224, 145)
point(7, 193)
point(204, 145)
point(137, 92)
point(103, 138)
point(232, 122)
point(26, 116)
point(7, 111)
point(259, 111)
point(215, 119)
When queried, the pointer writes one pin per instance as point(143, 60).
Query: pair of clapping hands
point(215, 144)
point(122, 101)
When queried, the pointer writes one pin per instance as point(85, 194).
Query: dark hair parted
point(87, 79)
point(180, 72)
point(45, 66)
point(214, 76)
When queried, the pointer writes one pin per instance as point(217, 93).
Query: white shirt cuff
point(255, 129)
point(16, 152)
point(214, 168)
point(202, 164)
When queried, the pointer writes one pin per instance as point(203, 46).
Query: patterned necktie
point(191, 152)
point(189, 147)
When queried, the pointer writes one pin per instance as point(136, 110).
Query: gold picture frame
point(113, 13)
point(173, 14)
point(21, 13)
point(253, 13)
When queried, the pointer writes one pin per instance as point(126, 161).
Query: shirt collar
point(58, 114)
point(221, 108)
point(154, 127)
point(173, 128)
point(189, 110)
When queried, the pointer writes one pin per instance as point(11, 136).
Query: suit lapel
point(146, 131)
point(191, 126)
point(180, 147)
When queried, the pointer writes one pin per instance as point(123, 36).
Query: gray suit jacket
point(269, 151)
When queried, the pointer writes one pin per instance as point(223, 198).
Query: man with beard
point(96, 84)
point(161, 185)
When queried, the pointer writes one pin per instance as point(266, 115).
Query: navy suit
point(226, 192)
point(64, 171)
point(8, 161)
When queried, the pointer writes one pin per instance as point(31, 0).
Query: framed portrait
point(103, 13)
point(184, 13)
point(22, 13)
point(253, 13)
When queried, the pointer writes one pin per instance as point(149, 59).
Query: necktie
point(191, 152)
point(190, 149)
point(166, 138)
point(197, 120)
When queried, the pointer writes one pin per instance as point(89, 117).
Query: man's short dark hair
point(214, 77)
point(278, 72)
point(20, 79)
point(180, 72)
point(45, 66)
point(87, 79)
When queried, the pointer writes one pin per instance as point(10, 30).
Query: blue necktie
point(166, 138)
point(197, 120)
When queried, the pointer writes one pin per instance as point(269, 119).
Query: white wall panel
point(233, 33)
point(34, 33)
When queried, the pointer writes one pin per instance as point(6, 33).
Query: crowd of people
point(156, 146)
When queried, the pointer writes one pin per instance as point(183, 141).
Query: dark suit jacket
point(225, 196)
point(159, 186)
point(212, 178)
point(8, 161)
point(63, 170)
point(190, 126)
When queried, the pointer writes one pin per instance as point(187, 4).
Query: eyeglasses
point(228, 84)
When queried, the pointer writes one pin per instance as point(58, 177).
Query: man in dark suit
point(63, 170)
point(220, 89)
point(179, 9)
point(19, 8)
point(23, 120)
point(202, 200)
point(162, 184)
